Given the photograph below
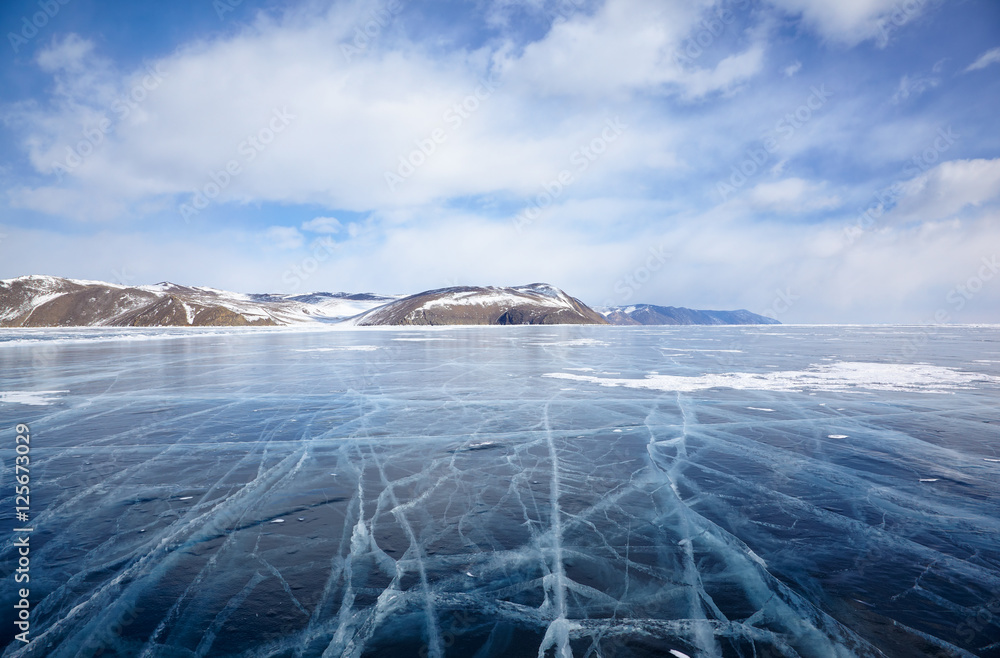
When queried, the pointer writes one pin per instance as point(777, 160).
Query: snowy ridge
point(537, 303)
point(54, 282)
point(37, 301)
point(498, 296)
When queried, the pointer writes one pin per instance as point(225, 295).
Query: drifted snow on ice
point(32, 398)
point(832, 377)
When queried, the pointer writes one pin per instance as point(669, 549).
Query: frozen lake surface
point(507, 491)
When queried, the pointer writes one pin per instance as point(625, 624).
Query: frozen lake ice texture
point(508, 491)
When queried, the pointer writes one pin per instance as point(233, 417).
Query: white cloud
point(501, 13)
point(791, 195)
point(70, 202)
point(352, 120)
point(230, 260)
point(215, 95)
point(984, 60)
point(322, 225)
point(898, 273)
point(627, 46)
point(852, 21)
point(284, 237)
point(949, 188)
point(69, 53)
point(913, 87)
point(727, 74)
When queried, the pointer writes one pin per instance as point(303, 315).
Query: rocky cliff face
point(537, 303)
point(40, 301)
point(45, 301)
point(648, 314)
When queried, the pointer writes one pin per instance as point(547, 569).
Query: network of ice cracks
point(409, 511)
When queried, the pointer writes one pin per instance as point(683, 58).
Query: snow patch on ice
point(345, 348)
point(690, 349)
point(576, 342)
point(842, 376)
point(32, 398)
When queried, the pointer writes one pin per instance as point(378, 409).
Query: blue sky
point(815, 161)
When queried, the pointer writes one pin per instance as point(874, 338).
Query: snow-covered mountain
point(47, 301)
point(648, 314)
point(538, 303)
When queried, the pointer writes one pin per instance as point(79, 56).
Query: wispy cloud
point(984, 60)
point(322, 225)
point(912, 87)
point(792, 195)
point(284, 237)
point(854, 21)
point(950, 187)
